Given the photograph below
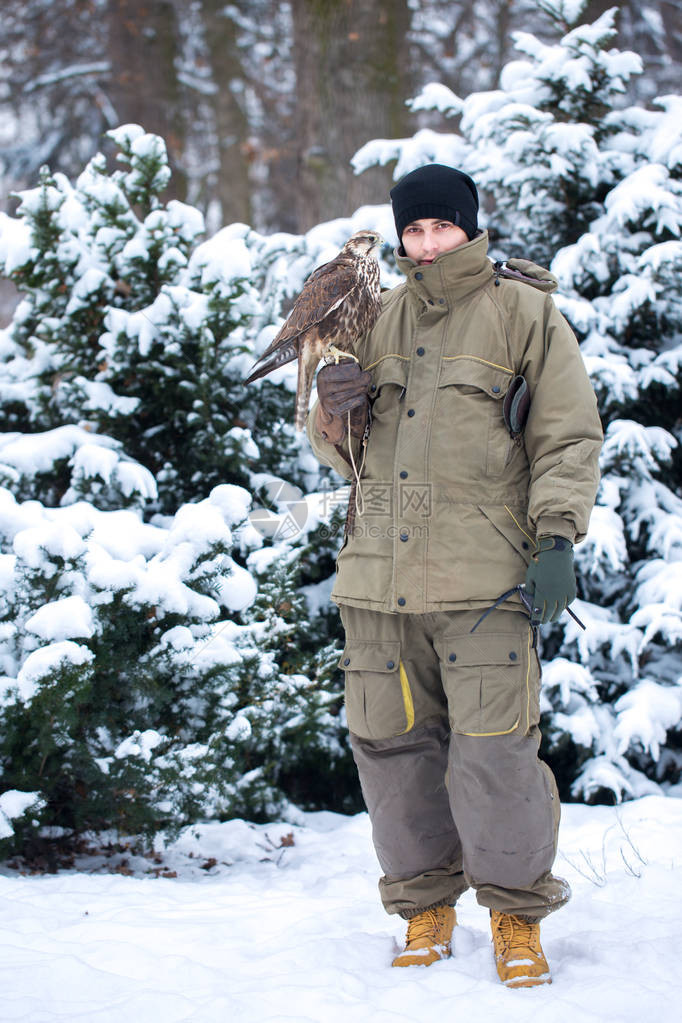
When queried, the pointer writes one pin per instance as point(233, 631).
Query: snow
point(91, 460)
point(53, 539)
point(15, 804)
point(68, 618)
point(37, 452)
point(233, 502)
point(239, 590)
point(94, 68)
point(425, 146)
point(282, 922)
point(92, 281)
point(46, 661)
point(125, 134)
point(224, 257)
point(660, 582)
point(15, 243)
point(645, 714)
point(648, 188)
point(435, 96)
point(101, 396)
point(140, 744)
point(666, 144)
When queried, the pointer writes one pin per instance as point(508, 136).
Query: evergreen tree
point(303, 632)
point(130, 328)
point(574, 176)
point(140, 690)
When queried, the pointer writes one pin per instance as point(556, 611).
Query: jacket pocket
point(473, 392)
point(378, 696)
point(511, 522)
point(389, 381)
point(487, 681)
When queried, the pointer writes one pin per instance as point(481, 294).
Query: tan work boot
point(428, 937)
point(518, 953)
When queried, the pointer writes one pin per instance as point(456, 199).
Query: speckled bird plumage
point(339, 303)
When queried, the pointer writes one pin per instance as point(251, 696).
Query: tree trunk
point(231, 187)
point(143, 46)
point(352, 79)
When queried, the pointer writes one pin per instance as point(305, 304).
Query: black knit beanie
point(435, 191)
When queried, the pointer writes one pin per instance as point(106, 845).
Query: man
point(480, 472)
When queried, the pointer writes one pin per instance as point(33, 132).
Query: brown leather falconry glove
point(342, 388)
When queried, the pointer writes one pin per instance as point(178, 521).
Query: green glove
point(550, 580)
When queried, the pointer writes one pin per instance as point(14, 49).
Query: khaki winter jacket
point(450, 505)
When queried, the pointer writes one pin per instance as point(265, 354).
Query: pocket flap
point(509, 522)
point(391, 369)
point(365, 655)
point(465, 651)
point(485, 376)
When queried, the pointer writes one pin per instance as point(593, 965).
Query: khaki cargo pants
point(444, 731)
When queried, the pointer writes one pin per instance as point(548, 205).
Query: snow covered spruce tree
point(136, 330)
point(139, 690)
point(575, 178)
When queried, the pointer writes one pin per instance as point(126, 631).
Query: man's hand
point(550, 580)
point(342, 388)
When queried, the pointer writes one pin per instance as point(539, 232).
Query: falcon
point(340, 302)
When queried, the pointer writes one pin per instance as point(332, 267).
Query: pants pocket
point(379, 701)
point(490, 683)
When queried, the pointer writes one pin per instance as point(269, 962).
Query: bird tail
point(306, 372)
point(274, 360)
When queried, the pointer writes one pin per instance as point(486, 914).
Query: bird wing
point(325, 290)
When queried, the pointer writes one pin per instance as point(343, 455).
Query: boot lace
point(424, 925)
point(519, 936)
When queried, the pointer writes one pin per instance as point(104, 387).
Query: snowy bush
point(572, 176)
point(147, 681)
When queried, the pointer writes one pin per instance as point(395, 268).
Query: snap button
point(390, 665)
point(418, 276)
point(452, 657)
point(430, 301)
point(524, 544)
point(420, 351)
point(513, 655)
point(346, 660)
point(410, 412)
point(402, 601)
point(403, 474)
point(441, 301)
point(496, 389)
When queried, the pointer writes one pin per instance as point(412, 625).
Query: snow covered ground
point(280, 923)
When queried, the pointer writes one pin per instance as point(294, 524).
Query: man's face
point(423, 240)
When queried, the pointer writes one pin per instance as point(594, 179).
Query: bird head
point(364, 243)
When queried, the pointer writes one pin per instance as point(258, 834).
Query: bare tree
point(53, 63)
point(229, 185)
point(262, 103)
point(143, 47)
point(352, 78)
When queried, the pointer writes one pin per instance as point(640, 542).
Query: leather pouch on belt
point(516, 406)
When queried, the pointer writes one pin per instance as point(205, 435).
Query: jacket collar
point(452, 275)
